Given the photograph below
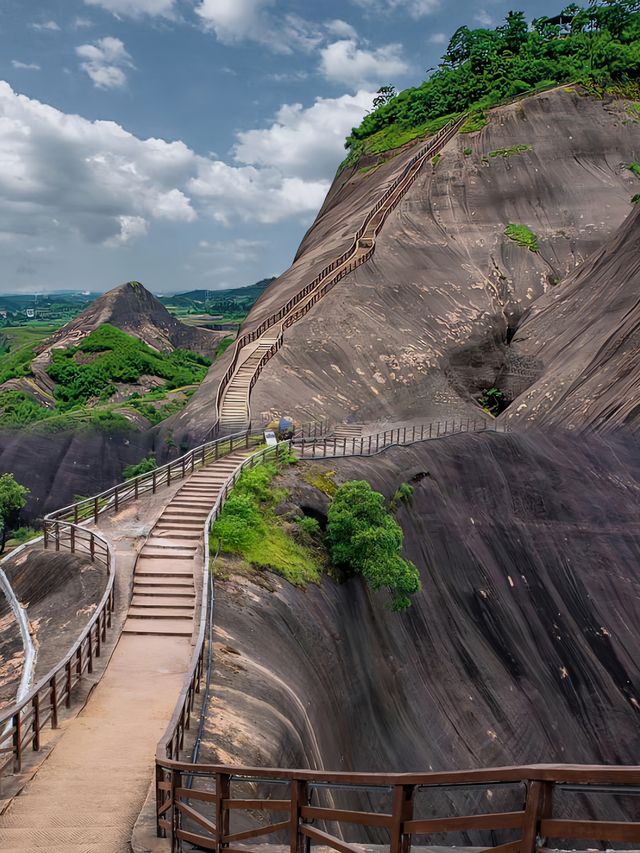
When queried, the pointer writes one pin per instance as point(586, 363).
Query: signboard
point(270, 438)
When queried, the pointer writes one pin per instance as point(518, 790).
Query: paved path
point(87, 795)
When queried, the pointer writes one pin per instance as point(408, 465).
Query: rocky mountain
point(133, 309)
point(583, 341)
point(423, 327)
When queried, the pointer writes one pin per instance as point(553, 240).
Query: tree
point(514, 31)
point(12, 499)
point(363, 538)
point(383, 96)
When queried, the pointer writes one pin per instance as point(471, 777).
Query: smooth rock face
point(445, 280)
point(522, 646)
point(585, 339)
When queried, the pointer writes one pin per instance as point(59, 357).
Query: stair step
point(161, 553)
point(155, 541)
point(160, 601)
point(173, 586)
point(140, 612)
point(161, 627)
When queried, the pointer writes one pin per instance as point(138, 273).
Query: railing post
point(538, 806)
point(299, 799)
point(17, 739)
point(92, 547)
point(45, 533)
point(53, 702)
point(153, 482)
point(115, 499)
point(90, 647)
point(67, 698)
point(176, 781)
point(223, 785)
point(36, 722)
point(57, 535)
point(72, 538)
point(402, 811)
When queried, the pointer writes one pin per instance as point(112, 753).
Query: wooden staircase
point(164, 591)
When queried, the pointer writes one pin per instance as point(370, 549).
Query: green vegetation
point(390, 138)
point(509, 152)
point(32, 333)
point(249, 527)
point(635, 168)
point(21, 535)
point(468, 152)
point(323, 481)
point(18, 409)
point(108, 355)
point(481, 67)
point(474, 123)
point(224, 344)
point(493, 401)
point(143, 467)
point(436, 159)
point(12, 498)
point(364, 539)
point(523, 236)
point(402, 495)
point(635, 199)
point(16, 363)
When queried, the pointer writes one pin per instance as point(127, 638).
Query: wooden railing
point(389, 200)
point(369, 445)
point(173, 739)
point(22, 724)
point(291, 805)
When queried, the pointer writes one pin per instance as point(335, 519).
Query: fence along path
point(89, 792)
point(254, 349)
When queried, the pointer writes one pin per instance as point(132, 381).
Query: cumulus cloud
point(308, 142)
point(236, 20)
point(341, 29)
point(27, 66)
point(62, 174)
point(415, 8)
point(45, 25)
point(438, 38)
point(136, 8)
point(345, 63)
point(105, 61)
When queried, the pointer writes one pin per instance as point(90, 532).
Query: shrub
point(467, 152)
point(402, 494)
point(366, 540)
point(474, 123)
point(523, 236)
point(508, 152)
point(308, 526)
point(493, 400)
point(635, 168)
point(636, 199)
point(143, 467)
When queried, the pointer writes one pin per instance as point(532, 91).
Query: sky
point(189, 144)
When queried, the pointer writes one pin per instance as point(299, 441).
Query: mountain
point(134, 310)
point(582, 340)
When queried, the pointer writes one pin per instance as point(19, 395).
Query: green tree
point(12, 499)
point(514, 31)
point(383, 96)
point(364, 539)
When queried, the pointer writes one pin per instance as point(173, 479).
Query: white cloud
point(80, 23)
point(27, 66)
point(105, 61)
point(136, 8)
point(346, 63)
point(307, 143)
point(61, 174)
point(45, 25)
point(438, 38)
point(415, 8)
point(483, 18)
point(236, 20)
point(341, 29)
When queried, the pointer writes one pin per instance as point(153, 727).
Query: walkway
point(89, 792)
point(234, 412)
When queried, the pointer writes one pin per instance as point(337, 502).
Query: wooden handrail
point(389, 200)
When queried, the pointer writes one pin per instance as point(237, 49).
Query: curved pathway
point(89, 792)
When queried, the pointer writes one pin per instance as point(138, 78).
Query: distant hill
point(134, 310)
point(241, 297)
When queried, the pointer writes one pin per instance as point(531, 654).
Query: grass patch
point(474, 123)
point(323, 481)
point(18, 409)
point(509, 152)
point(635, 168)
point(19, 336)
point(468, 152)
point(436, 159)
point(523, 236)
point(143, 467)
point(224, 344)
point(635, 199)
point(249, 527)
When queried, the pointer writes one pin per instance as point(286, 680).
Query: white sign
point(270, 438)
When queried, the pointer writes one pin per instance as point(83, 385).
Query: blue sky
point(189, 143)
